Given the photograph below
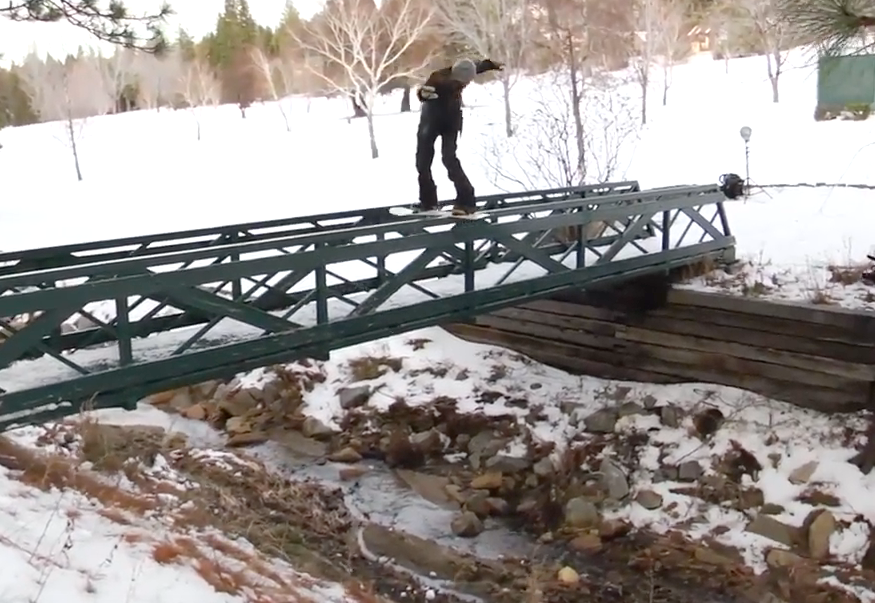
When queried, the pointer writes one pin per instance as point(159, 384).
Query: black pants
point(425, 139)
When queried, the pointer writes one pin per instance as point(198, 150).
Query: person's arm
point(437, 85)
point(488, 65)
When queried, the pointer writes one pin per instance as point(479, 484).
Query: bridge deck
point(215, 305)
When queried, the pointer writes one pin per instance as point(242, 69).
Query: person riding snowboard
point(441, 117)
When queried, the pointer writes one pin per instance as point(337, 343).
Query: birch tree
point(158, 78)
point(199, 87)
point(362, 48)
point(68, 94)
point(495, 29)
point(670, 39)
point(273, 71)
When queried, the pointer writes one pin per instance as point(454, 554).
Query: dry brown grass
point(227, 567)
point(846, 275)
point(367, 368)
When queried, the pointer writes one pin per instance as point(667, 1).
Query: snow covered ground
point(84, 538)
point(146, 171)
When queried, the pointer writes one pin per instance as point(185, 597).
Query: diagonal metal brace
point(31, 335)
point(189, 298)
point(401, 278)
point(630, 235)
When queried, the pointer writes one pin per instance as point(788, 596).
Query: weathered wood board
point(819, 357)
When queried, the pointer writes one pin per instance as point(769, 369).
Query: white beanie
point(464, 71)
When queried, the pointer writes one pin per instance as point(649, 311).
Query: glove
point(427, 93)
point(493, 65)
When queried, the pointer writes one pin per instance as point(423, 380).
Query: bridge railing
point(306, 293)
point(169, 242)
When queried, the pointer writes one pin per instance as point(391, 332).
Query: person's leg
point(464, 190)
point(425, 138)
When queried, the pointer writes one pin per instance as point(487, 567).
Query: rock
point(802, 474)
point(350, 473)
point(769, 527)
point(487, 481)
point(670, 416)
point(206, 390)
point(161, 398)
point(466, 525)
point(567, 575)
point(772, 509)
point(613, 528)
point(689, 471)
point(486, 444)
point(776, 558)
point(477, 503)
point(247, 439)
point(581, 513)
point(666, 473)
point(237, 425)
point(432, 488)
point(345, 455)
point(588, 543)
point(196, 412)
point(649, 499)
point(497, 506)
point(354, 397)
point(507, 464)
point(180, 400)
point(712, 557)
point(454, 492)
point(601, 421)
point(427, 441)
point(238, 402)
point(627, 409)
point(299, 444)
point(544, 467)
point(821, 526)
point(316, 429)
point(707, 422)
point(819, 498)
point(614, 479)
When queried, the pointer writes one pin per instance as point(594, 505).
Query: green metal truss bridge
point(108, 323)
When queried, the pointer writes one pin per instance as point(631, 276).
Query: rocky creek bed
point(547, 522)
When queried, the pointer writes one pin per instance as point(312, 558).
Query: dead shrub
point(846, 275)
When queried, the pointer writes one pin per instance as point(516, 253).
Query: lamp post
point(745, 133)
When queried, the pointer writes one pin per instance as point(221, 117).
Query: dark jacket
point(445, 111)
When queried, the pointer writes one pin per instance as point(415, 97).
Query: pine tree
point(112, 23)
point(834, 25)
point(230, 53)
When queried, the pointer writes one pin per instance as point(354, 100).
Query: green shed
point(845, 86)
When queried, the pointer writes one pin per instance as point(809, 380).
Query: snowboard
point(435, 213)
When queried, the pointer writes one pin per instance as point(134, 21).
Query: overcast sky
point(196, 16)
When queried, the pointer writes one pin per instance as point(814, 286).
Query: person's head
point(464, 71)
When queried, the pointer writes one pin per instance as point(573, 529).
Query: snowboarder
point(441, 117)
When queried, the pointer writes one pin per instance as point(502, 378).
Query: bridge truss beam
point(218, 309)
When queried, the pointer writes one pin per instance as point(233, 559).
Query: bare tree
point(647, 20)
point(363, 47)
point(670, 40)
point(495, 29)
point(116, 74)
point(158, 78)
point(546, 151)
point(274, 71)
point(67, 93)
point(772, 34)
point(199, 87)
